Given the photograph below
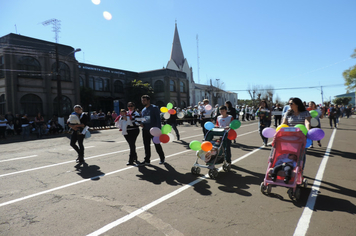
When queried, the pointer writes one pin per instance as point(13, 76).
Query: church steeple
point(177, 51)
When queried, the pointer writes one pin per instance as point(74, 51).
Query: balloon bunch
point(314, 134)
point(206, 146)
point(168, 111)
point(161, 135)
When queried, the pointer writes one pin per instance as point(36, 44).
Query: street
point(43, 193)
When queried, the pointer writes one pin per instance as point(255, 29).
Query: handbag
point(87, 134)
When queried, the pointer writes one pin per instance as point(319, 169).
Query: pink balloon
point(156, 132)
point(156, 140)
point(208, 107)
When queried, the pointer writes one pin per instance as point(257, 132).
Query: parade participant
point(231, 111)
point(223, 121)
point(320, 115)
point(172, 121)
point(77, 134)
point(150, 118)
point(277, 118)
point(195, 115)
point(206, 114)
point(264, 119)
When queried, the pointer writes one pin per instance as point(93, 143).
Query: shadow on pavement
point(89, 171)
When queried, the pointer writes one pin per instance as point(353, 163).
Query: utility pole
point(198, 59)
point(56, 29)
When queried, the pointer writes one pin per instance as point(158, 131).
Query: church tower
point(179, 63)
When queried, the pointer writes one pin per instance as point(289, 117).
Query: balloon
point(308, 143)
point(281, 126)
point(235, 124)
point(314, 122)
point(171, 111)
point(208, 107)
point(309, 109)
point(241, 113)
point(171, 137)
point(313, 113)
point(302, 128)
point(166, 129)
point(156, 132)
point(180, 115)
point(166, 115)
point(195, 145)
point(174, 111)
point(316, 134)
point(169, 105)
point(231, 135)
point(164, 138)
point(156, 140)
point(164, 109)
point(209, 125)
point(268, 132)
point(206, 146)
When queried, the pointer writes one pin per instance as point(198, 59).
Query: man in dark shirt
point(150, 118)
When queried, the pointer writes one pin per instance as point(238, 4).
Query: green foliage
point(350, 76)
point(135, 89)
point(342, 101)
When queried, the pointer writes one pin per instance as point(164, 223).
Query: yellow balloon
point(281, 126)
point(164, 109)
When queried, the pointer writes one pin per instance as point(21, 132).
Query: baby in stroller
point(286, 162)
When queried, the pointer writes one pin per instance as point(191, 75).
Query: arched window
point(29, 67)
point(118, 86)
point(81, 82)
point(66, 105)
point(106, 84)
point(91, 83)
point(182, 87)
point(99, 84)
point(182, 104)
point(2, 104)
point(63, 69)
point(31, 104)
point(172, 86)
point(158, 86)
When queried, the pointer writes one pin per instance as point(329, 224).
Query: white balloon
point(166, 115)
point(107, 15)
point(314, 122)
point(241, 113)
point(180, 115)
point(171, 137)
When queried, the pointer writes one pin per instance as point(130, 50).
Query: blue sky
point(284, 44)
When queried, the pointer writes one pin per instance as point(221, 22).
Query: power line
point(289, 88)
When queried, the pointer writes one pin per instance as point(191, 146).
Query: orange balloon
point(309, 109)
point(206, 146)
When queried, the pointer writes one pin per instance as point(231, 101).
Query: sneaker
point(319, 144)
point(130, 164)
point(161, 162)
point(144, 163)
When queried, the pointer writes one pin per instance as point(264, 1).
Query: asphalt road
point(43, 193)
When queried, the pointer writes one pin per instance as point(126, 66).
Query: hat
point(195, 106)
point(77, 106)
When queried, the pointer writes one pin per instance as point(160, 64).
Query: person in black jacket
point(77, 134)
point(172, 121)
point(231, 111)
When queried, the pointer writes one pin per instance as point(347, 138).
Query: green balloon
point(235, 124)
point(313, 113)
point(166, 129)
point(302, 128)
point(169, 105)
point(195, 145)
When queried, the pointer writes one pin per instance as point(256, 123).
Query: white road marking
point(18, 158)
point(160, 200)
point(304, 220)
point(85, 148)
point(79, 182)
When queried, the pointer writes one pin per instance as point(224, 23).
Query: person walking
point(205, 114)
point(320, 115)
point(332, 113)
point(132, 132)
point(172, 121)
point(264, 119)
point(277, 118)
point(150, 118)
point(231, 111)
point(77, 134)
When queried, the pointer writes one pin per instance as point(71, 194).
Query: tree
point(342, 101)
point(350, 76)
point(135, 90)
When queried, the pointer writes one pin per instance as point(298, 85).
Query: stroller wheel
point(290, 193)
point(195, 170)
point(297, 193)
point(305, 183)
point(269, 189)
point(263, 187)
point(213, 173)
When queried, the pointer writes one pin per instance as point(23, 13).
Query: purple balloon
point(268, 132)
point(316, 134)
point(156, 140)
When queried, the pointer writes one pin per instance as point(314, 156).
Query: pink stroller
point(287, 141)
